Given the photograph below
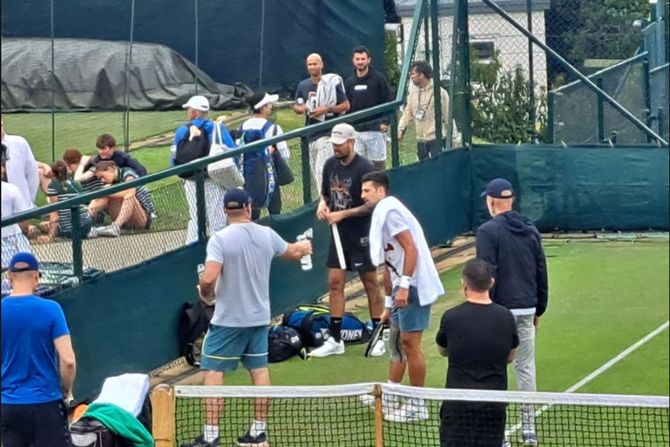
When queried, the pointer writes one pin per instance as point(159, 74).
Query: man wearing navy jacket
point(512, 245)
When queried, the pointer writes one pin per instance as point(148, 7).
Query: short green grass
point(604, 296)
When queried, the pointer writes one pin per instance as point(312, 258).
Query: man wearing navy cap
point(38, 363)
point(237, 281)
point(512, 245)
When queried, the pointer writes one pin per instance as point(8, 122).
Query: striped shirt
point(141, 192)
point(63, 191)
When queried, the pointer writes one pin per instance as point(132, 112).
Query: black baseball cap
point(498, 188)
point(236, 199)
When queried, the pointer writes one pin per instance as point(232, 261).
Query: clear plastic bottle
point(306, 261)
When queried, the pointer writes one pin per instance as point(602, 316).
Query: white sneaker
point(329, 347)
point(389, 402)
point(93, 232)
point(367, 399)
point(109, 231)
point(408, 412)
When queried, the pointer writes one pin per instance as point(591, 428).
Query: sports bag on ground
point(193, 322)
point(312, 321)
point(190, 149)
point(283, 343)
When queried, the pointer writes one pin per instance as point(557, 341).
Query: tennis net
point(395, 415)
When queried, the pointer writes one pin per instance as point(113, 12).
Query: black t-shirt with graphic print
point(341, 189)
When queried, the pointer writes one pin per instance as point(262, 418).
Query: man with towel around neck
point(411, 278)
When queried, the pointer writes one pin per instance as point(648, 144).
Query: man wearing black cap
point(512, 245)
point(38, 363)
point(237, 281)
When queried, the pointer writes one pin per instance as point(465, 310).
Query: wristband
point(405, 282)
point(388, 302)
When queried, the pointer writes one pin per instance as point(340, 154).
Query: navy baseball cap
point(24, 262)
point(236, 199)
point(498, 188)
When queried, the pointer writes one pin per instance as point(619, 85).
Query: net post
point(379, 417)
point(163, 415)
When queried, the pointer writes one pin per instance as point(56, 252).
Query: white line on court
point(613, 361)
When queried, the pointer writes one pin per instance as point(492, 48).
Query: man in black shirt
point(107, 150)
point(342, 206)
point(368, 88)
point(480, 338)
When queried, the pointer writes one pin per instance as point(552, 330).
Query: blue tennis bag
point(312, 321)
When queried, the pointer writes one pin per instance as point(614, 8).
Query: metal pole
point(647, 92)
point(196, 43)
point(201, 204)
point(306, 179)
point(660, 119)
point(600, 113)
point(126, 94)
point(618, 107)
point(436, 72)
point(550, 131)
point(77, 254)
point(462, 90)
point(53, 87)
point(260, 62)
point(395, 145)
point(531, 74)
point(426, 33)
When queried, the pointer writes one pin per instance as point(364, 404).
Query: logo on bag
point(352, 334)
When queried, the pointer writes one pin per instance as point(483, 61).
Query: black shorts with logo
point(356, 250)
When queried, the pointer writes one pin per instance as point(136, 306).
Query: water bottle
point(306, 261)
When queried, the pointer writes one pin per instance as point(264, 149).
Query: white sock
point(211, 432)
point(257, 428)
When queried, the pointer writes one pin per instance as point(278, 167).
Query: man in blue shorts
point(38, 363)
point(238, 264)
point(412, 285)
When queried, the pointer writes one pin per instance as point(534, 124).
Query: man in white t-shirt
point(21, 166)
point(236, 280)
point(412, 285)
point(13, 240)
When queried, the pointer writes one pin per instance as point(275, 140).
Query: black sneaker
point(253, 441)
point(200, 442)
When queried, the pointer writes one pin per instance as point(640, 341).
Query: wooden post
point(379, 417)
point(163, 417)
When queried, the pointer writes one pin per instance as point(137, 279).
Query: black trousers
point(432, 148)
point(466, 424)
point(25, 425)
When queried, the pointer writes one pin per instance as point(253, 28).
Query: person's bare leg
point(416, 363)
point(131, 213)
point(375, 300)
point(213, 406)
point(336, 280)
point(261, 377)
point(396, 371)
point(97, 205)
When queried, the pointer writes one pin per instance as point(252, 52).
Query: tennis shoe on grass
point(200, 442)
point(529, 439)
point(253, 441)
point(112, 230)
point(389, 402)
point(329, 347)
point(410, 411)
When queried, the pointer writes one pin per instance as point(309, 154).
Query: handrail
point(604, 71)
point(386, 108)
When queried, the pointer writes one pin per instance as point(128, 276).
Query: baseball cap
point(341, 133)
point(23, 262)
point(498, 188)
point(197, 102)
point(236, 199)
point(267, 99)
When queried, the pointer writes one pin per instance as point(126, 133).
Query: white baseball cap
point(267, 99)
point(341, 133)
point(197, 102)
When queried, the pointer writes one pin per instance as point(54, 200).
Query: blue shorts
point(414, 317)
point(224, 347)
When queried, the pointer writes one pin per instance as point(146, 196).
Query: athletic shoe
point(376, 343)
point(93, 232)
point(389, 402)
point(529, 438)
point(329, 347)
point(506, 443)
point(408, 412)
point(253, 441)
point(109, 231)
point(200, 442)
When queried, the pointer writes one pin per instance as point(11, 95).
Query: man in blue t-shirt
point(38, 363)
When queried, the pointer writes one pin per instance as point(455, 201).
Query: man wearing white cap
point(192, 141)
point(259, 127)
point(343, 208)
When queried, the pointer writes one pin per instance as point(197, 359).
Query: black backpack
point(283, 343)
point(191, 149)
point(193, 323)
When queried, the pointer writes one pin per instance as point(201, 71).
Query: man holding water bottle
point(236, 279)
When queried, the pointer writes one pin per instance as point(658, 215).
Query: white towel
point(326, 92)
point(126, 391)
point(427, 279)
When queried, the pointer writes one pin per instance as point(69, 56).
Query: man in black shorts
point(480, 339)
point(343, 208)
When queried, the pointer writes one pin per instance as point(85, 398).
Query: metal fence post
point(395, 145)
point(437, 89)
point(306, 180)
point(550, 131)
point(77, 236)
point(647, 93)
point(462, 85)
point(531, 75)
point(426, 33)
point(201, 204)
point(660, 119)
point(600, 113)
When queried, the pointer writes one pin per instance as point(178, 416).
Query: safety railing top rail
point(386, 108)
